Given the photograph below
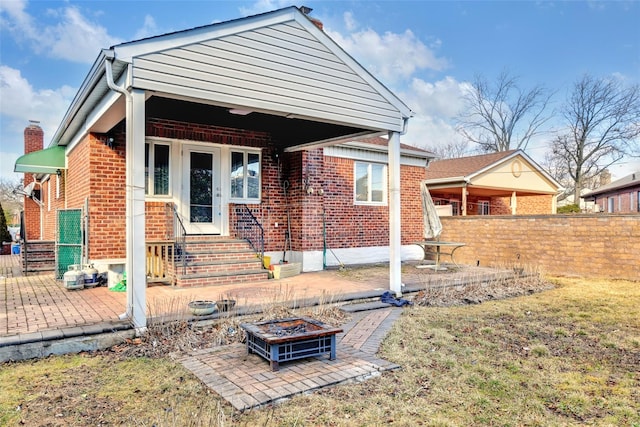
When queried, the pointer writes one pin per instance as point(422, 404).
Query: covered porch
point(221, 119)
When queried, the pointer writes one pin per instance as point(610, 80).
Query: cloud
point(262, 6)
point(436, 106)
point(149, 28)
point(72, 37)
point(391, 57)
point(21, 102)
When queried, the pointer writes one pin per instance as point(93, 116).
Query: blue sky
point(425, 51)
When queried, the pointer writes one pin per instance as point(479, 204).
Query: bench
point(438, 245)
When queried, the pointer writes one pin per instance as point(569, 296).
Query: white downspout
point(135, 221)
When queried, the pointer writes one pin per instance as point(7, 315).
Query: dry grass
point(567, 356)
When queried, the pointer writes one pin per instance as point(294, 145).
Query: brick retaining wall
point(582, 245)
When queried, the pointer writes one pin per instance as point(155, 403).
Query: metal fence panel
point(68, 240)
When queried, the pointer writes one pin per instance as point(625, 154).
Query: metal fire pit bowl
point(283, 340)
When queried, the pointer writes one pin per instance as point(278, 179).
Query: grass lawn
point(567, 356)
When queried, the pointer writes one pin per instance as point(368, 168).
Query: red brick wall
point(158, 221)
point(597, 245)
point(97, 173)
point(624, 201)
point(526, 205)
point(347, 225)
point(351, 225)
point(50, 208)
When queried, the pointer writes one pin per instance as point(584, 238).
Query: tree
point(11, 201)
point(602, 126)
point(451, 150)
point(5, 236)
point(503, 116)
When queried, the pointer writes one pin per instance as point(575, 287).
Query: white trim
point(245, 152)
point(313, 260)
point(385, 184)
point(368, 154)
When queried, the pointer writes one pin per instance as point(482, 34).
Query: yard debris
point(479, 292)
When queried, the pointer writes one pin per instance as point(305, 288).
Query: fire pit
point(282, 340)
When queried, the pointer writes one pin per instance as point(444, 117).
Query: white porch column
point(464, 200)
point(136, 260)
point(514, 203)
point(395, 261)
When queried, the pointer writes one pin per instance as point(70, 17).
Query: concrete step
point(220, 278)
point(364, 306)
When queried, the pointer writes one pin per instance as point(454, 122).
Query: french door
point(201, 208)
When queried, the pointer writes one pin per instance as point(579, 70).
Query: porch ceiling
point(286, 132)
point(482, 191)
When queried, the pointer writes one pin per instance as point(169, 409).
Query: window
point(638, 202)
point(370, 183)
point(245, 175)
point(611, 203)
point(455, 207)
point(483, 207)
point(156, 177)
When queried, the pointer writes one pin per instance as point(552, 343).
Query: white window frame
point(481, 207)
point(455, 207)
point(48, 181)
point(245, 179)
point(150, 191)
point(369, 202)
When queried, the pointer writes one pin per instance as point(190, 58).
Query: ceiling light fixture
point(239, 111)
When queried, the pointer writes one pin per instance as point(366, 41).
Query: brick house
point(503, 183)
point(191, 144)
point(620, 196)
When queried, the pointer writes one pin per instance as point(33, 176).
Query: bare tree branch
point(451, 150)
point(602, 126)
point(503, 116)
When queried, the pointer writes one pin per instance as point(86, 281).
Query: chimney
point(33, 141)
point(307, 10)
point(33, 137)
point(605, 177)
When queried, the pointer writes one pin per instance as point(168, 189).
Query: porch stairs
point(214, 260)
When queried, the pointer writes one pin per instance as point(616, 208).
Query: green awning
point(49, 160)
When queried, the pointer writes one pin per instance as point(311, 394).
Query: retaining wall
point(600, 245)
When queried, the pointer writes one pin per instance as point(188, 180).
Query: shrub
point(5, 236)
point(569, 209)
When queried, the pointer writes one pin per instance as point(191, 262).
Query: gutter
point(89, 83)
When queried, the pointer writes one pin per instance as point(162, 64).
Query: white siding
point(282, 68)
point(370, 156)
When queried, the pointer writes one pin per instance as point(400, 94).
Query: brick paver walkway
point(246, 381)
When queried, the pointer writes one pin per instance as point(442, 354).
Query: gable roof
point(630, 180)
point(465, 167)
point(277, 63)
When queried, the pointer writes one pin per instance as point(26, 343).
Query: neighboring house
point(620, 196)
point(247, 129)
point(503, 183)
